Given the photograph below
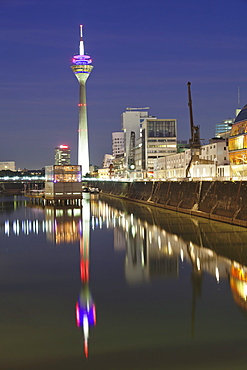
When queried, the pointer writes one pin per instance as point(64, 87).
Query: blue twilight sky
point(144, 53)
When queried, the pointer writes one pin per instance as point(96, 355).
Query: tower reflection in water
point(85, 307)
point(66, 225)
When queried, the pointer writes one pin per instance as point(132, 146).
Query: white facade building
point(132, 120)
point(213, 162)
point(108, 159)
point(215, 151)
point(104, 173)
point(117, 144)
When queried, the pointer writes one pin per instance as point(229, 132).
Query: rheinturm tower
point(82, 67)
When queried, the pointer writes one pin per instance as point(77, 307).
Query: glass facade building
point(63, 173)
point(237, 144)
point(159, 139)
point(63, 182)
point(223, 127)
point(161, 128)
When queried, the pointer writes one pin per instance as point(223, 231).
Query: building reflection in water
point(238, 283)
point(153, 249)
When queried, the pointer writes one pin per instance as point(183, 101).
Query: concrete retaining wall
point(221, 201)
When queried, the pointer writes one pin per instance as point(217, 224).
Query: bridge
point(18, 185)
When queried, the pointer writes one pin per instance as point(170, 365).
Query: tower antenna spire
point(81, 45)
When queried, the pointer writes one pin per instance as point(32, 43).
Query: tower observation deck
point(82, 67)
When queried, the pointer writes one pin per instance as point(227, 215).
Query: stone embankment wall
point(222, 201)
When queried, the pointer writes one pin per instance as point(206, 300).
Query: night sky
point(144, 53)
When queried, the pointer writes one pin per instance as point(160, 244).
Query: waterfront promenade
point(217, 200)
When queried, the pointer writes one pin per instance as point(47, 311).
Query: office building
point(82, 67)
point(158, 139)
point(62, 155)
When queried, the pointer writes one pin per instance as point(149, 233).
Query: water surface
point(117, 285)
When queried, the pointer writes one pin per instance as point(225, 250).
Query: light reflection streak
point(150, 250)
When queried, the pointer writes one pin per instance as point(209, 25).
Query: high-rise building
point(62, 155)
point(132, 120)
point(158, 139)
point(82, 67)
point(224, 126)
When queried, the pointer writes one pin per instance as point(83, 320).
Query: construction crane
point(195, 142)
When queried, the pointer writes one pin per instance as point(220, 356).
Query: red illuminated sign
point(63, 147)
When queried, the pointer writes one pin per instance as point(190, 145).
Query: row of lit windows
point(67, 168)
point(161, 128)
point(82, 67)
point(165, 150)
point(163, 146)
point(207, 148)
point(67, 178)
point(161, 140)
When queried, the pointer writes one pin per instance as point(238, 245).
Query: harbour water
point(117, 285)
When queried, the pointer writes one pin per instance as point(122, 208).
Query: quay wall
point(224, 201)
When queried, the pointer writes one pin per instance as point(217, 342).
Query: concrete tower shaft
point(82, 67)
